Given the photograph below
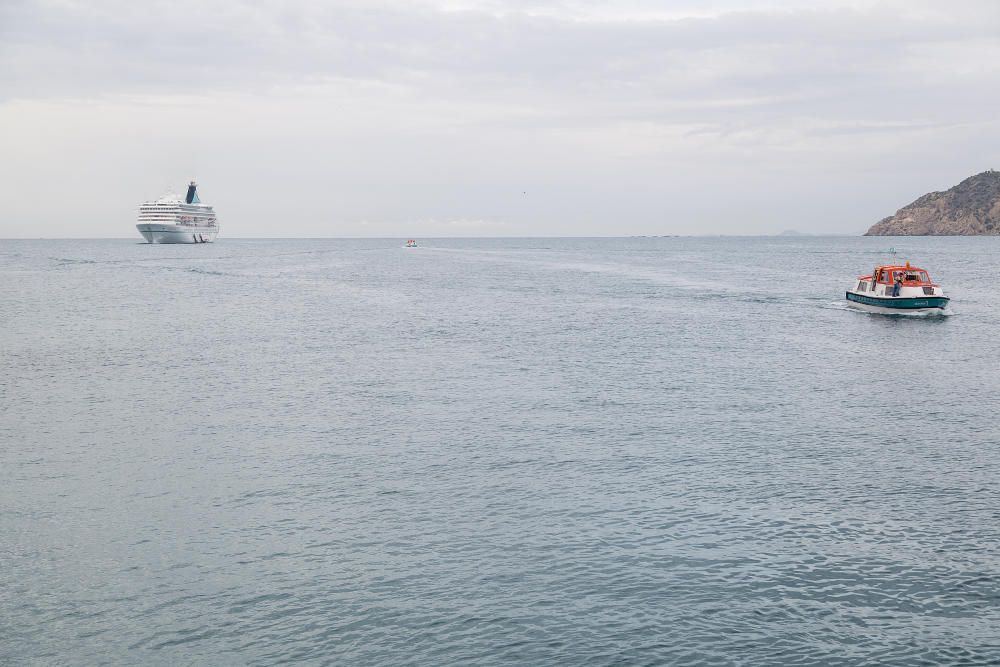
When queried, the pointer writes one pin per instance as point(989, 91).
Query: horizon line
point(349, 238)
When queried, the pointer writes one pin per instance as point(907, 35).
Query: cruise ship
point(170, 220)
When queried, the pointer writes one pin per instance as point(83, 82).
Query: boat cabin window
point(863, 286)
point(890, 276)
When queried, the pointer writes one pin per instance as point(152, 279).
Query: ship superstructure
point(173, 220)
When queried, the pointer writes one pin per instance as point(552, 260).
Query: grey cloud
point(123, 47)
point(734, 70)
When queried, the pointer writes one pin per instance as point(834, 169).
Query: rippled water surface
point(481, 452)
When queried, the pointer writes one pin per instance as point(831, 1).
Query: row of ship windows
point(176, 215)
point(174, 223)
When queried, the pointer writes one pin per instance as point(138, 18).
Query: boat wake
point(935, 314)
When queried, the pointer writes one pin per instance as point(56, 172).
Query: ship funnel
point(192, 195)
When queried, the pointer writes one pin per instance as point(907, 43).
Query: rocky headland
point(971, 208)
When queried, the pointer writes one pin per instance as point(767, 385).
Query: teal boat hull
point(901, 304)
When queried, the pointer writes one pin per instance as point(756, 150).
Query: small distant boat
point(895, 289)
point(411, 243)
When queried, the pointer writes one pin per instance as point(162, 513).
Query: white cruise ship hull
point(162, 233)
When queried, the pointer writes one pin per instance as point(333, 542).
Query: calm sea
point(485, 452)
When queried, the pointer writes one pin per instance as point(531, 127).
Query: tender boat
point(411, 243)
point(897, 289)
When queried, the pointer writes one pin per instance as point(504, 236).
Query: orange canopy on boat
point(909, 275)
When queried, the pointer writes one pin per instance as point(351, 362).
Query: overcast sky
point(491, 118)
